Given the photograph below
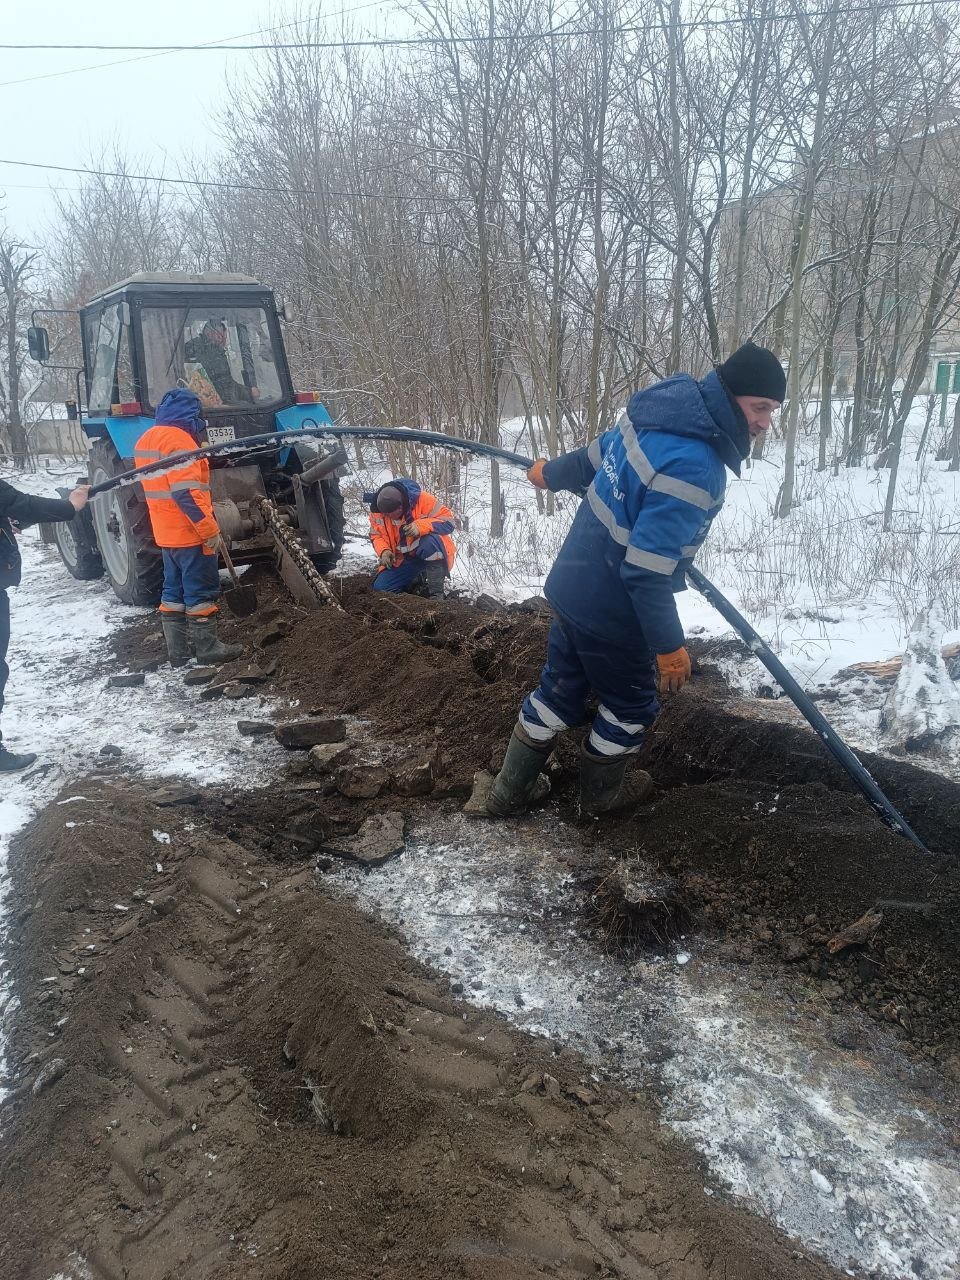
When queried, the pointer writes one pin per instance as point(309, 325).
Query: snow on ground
point(842, 1150)
point(58, 705)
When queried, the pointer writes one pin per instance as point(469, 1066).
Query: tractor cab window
point(108, 351)
point(225, 355)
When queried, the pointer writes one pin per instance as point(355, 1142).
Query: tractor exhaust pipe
point(330, 462)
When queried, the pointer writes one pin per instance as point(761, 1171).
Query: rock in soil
point(110, 749)
point(301, 735)
point(361, 781)
point(379, 838)
point(417, 781)
point(325, 755)
point(255, 674)
point(49, 1074)
point(234, 690)
point(185, 726)
point(129, 681)
point(254, 728)
point(274, 632)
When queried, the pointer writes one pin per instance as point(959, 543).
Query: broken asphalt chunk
point(381, 837)
point(129, 681)
point(200, 675)
point(254, 728)
point(361, 781)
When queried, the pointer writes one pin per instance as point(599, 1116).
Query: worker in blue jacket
point(651, 487)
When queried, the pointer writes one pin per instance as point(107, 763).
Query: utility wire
point(381, 42)
point(232, 186)
point(163, 51)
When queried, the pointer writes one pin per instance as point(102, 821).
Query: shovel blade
point(241, 601)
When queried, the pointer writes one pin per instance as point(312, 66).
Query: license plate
point(217, 435)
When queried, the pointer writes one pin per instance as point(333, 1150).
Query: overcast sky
point(159, 109)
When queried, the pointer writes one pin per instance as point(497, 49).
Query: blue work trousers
point(406, 573)
point(191, 582)
point(623, 680)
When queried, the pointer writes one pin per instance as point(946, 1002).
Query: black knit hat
point(754, 371)
point(390, 499)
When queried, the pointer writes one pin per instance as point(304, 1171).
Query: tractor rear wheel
point(327, 561)
point(130, 556)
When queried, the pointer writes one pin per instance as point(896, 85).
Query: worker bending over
point(411, 533)
point(651, 487)
point(186, 531)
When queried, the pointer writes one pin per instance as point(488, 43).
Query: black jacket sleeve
point(26, 508)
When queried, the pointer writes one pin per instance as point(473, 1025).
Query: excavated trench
point(257, 1059)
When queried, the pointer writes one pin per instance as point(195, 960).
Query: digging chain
point(294, 548)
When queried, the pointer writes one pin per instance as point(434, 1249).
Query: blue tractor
point(218, 335)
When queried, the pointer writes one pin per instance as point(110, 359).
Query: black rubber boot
point(175, 633)
point(433, 578)
point(207, 645)
point(604, 787)
point(10, 761)
point(518, 784)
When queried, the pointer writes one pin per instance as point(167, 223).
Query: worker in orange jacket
point(411, 533)
point(186, 531)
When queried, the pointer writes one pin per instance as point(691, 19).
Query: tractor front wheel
point(77, 544)
point(122, 523)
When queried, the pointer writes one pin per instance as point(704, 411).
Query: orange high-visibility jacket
point(179, 503)
point(429, 515)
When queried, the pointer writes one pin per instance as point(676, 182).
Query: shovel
point(241, 601)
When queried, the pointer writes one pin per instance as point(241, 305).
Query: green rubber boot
point(518, 784)
point(604, 788)
point(175, 633)
point(207, 645)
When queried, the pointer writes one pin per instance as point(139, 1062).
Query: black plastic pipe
point(810, 712)
point(286, 438)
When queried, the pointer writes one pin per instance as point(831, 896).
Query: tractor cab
point(219, 336)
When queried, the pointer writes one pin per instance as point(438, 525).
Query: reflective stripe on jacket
point(422, 509)
point(179, 503)
point(651, 487)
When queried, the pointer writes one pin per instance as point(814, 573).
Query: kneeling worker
point(410, 530)
point(651, 487)
point(186, 531)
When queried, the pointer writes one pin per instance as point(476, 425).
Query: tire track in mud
point(259, 1083)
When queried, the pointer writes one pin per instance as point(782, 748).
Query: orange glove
point(535, 474)
point(674, 670)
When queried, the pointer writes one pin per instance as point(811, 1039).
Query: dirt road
point(222, 1066)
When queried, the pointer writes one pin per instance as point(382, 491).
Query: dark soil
point(773, 850)
point(255, 1081)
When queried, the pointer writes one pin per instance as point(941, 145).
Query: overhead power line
point(380, 42)
point(234, 186)
point(163, 51)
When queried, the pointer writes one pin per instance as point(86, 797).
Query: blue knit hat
point(181, 408)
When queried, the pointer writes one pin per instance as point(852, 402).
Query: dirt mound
point(252, 1080)
point(773, 849)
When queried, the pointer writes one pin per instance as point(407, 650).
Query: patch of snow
point(809, 1135)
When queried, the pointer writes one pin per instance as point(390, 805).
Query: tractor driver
point(209, 349)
